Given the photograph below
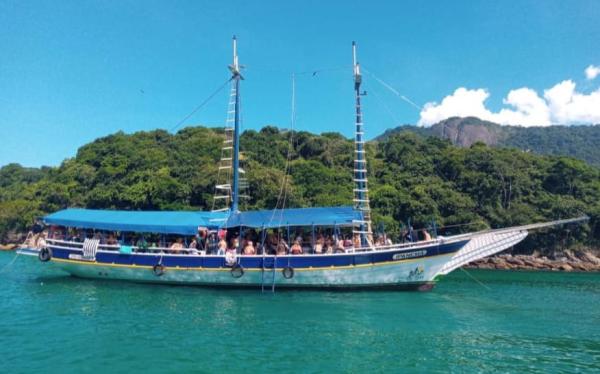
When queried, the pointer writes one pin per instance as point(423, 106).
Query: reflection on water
point(522, 321)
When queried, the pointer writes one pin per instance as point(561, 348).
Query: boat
point(98, 244)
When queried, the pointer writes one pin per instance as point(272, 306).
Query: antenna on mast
point(356, 65)
point(235, 66)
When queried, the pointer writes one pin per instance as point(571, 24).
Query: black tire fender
point(237, 271)
point(45, 254)
point(158, 269)
point(288, 272)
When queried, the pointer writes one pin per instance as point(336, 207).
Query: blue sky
point(72, 71)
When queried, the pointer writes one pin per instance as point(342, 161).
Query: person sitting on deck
point(296, 248)
point(222, 247)
point(339, 246)
point(212, 242)
point(177, 246)
point(192, 248)
point(200, 239)
point(328, 246)
point(356, 241)
point(142, 244)
point(282, 247)
point(319, 245)
point(249, 248)
point(233, 244)
point(348, 243)
point(111, 240)
point(426, 235)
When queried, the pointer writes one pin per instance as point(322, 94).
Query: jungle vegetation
point(412, 177)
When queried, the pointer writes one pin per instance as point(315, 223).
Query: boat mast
point(361, 191)
point(236, 77)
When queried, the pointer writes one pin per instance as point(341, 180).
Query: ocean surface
point(504, 321)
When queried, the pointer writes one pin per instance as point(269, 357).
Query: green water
point(535, 322)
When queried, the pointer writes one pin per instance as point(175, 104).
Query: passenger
point(356, 241)
point(328, 246)
point(222, 247)
point(177, 246)
point(387, 240)
point(319, 245)
point(200, 239)
point(299, 238)
point(142, 244)
point(426, 235)
point(339, 246)
point(282, 247)
point(212, 243)
point(348, 243)
point(58, 235)
point(193, 247)
point(271, 244)
point(296, 248)
point(409, 235)
point(249, 248)
point(234, 244)
point(111, 240)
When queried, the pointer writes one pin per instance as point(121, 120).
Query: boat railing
point(191, 251)
point(118, 247)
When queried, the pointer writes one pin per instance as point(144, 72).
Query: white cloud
point(561, 104)
point(591, 72)
point(571, 107)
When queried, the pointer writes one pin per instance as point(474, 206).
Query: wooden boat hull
point(403, 268)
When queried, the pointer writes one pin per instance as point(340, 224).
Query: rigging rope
point(394, 91)
point(313, 72)
point(201, 105)
point(283, 189)
point(386, 107)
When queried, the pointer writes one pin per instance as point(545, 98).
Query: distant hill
point(582, 142)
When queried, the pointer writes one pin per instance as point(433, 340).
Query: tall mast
point(361, 191)
point(236, 77)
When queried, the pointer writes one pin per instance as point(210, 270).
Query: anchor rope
point(475, 279)
point(10, 263)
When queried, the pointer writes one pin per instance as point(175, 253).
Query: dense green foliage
point(575, 141)
point(411, 176)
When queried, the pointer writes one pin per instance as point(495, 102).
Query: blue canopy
point(187, 222)
point(165, 222)
point(327, 216)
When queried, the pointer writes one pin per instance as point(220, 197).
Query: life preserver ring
point(237, 271)
point(158, 269)
point(288, 272)
point(230, 258)
point(45, 254)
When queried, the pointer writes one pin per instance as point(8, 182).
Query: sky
point(73, 71)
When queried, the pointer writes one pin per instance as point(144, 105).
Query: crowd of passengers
point(221, 242)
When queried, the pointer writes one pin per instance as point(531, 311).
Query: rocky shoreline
point(582, 260)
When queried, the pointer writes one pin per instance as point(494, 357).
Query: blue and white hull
point(404, 267)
